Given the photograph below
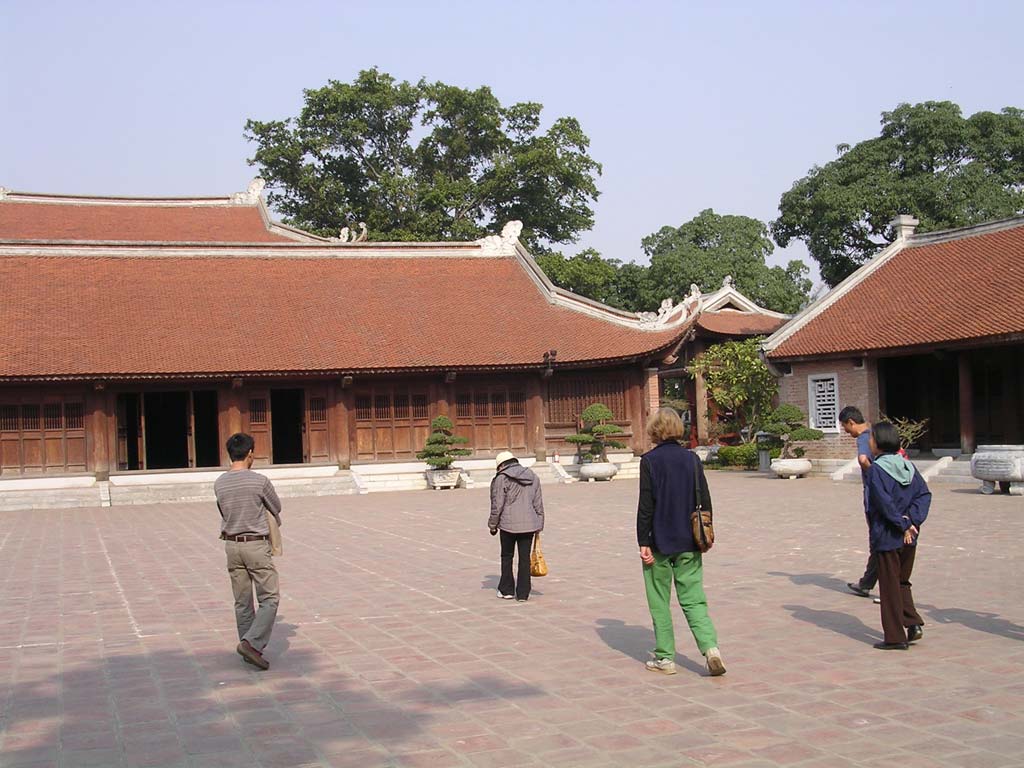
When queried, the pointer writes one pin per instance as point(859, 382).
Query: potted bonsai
point(594, 433)
point(440, 452)
point(786, 424)
point(910, 432)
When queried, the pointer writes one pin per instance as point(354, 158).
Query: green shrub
point(739, 455)
point(805, 433)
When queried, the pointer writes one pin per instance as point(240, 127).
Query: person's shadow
point(836, 621)
point(979, 621)
point(636, 642)
point(823, 580)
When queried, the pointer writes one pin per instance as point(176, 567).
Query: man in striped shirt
point(244, 497)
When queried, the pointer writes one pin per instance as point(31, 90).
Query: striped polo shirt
point(242, 497)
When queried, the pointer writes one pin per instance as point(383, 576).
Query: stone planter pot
point(999, 464)
point(791, 468)
point(442, 478)
point(598, 470)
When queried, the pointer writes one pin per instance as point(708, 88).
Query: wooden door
point(316, 437)
point(258, 424)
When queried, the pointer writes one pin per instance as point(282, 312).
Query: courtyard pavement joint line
point(418, 542)
point(119, 588)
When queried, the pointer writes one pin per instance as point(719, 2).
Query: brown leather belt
point(244, 537)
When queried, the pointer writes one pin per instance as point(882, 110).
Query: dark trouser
point(898, 611)
point(870, 577)
point(509, 543)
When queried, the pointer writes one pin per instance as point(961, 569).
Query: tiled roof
point(938, 289)
point(729, 323)
point(121, 221)
point(95, 316)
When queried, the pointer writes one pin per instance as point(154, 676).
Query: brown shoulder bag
point(700, 518)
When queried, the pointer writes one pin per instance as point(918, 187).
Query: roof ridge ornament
point(4, 192)
point(503, 244)
point(670, 314)
point(347, 236)
point(728, 282)
point(251, 196)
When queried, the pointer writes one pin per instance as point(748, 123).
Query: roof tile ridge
point(962, 233)
point(816, 308)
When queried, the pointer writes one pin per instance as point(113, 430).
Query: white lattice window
point(823, 402)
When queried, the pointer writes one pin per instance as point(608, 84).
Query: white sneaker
point(716, 666)
point(665, 666)
point(504, 597)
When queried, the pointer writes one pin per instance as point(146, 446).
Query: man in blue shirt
point(853, 424)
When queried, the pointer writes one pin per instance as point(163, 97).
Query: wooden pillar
point(535, 436)
point(100, 408)
point(635, 410)
point(343, 405)
point(701, 403)
point(966, 403)
point(229, 416)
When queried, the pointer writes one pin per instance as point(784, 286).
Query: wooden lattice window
point(382, 407)
point(74, 416)
point(823, 402)
point(499, 404)
point(30, 418)
point(317, 410)
point(464, 405)
point(401, 406)
point(52, 420)
point(8, 418)
point(258, 410)
point(567, 398)
point(364, 408)
point(419, 407)
point(516, 404)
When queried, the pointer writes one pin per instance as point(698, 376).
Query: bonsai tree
point(439, 452)
point(786, 424)
point(910, 431)
point(594, 432)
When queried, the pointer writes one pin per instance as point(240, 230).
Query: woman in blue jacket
point(898, 502)
point(671, 478)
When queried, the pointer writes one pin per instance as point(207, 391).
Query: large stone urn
point(791, 469)
point(443, 478)
point(598, 470)
point(1002, 464)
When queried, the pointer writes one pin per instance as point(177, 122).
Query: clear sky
point(688, 105)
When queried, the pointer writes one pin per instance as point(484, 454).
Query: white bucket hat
point(502, 457)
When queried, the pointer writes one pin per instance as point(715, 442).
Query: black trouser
point(870, 577)
point(509, 543)
point(898, 611)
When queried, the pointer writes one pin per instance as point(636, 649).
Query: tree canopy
point(739, 382)
point(703, 251)
point(929, 161)
point(425, 161)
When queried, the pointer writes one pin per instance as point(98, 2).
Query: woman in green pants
point(671, 477)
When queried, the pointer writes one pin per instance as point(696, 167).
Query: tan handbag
point(700, 519)
point(276, 545)
point(538, 566)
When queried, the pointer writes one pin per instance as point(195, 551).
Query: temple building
point(931, 328)
point(139, 333)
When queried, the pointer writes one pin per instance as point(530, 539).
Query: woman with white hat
point(517, 510)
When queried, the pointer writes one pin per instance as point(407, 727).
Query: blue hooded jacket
point(897, 498)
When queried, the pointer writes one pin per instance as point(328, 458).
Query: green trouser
point(687, 572)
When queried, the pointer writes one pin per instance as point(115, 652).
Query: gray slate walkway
point(117, 639)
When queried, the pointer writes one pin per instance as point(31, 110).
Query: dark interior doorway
point(286, 416)
point(166, 415)
point(129, 428)
point(207, 433)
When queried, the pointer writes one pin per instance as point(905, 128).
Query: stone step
point(57, 498)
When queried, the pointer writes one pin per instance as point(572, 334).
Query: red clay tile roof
point(739, 323)
point(962, 289)
point(120, 222)
point(106, 316)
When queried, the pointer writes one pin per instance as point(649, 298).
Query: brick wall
point(856, 386)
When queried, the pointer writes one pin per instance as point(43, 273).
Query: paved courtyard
point(117, 639)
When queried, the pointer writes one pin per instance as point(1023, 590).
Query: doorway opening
point(286, 413)
point(129, 431)
point(166, 418)
point(206, 433)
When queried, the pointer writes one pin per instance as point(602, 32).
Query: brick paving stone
point(391, 649)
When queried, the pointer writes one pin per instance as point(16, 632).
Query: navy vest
point(673, 482)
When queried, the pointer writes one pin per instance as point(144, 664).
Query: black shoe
point(915, 633)
point(892, 646)
point(857, 589)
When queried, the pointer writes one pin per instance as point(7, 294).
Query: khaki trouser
point(251, 564)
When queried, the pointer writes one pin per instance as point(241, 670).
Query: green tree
point(425, 161)
point(586, 273)
point(738, 381)
point(929, 161)
point(709, 247)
